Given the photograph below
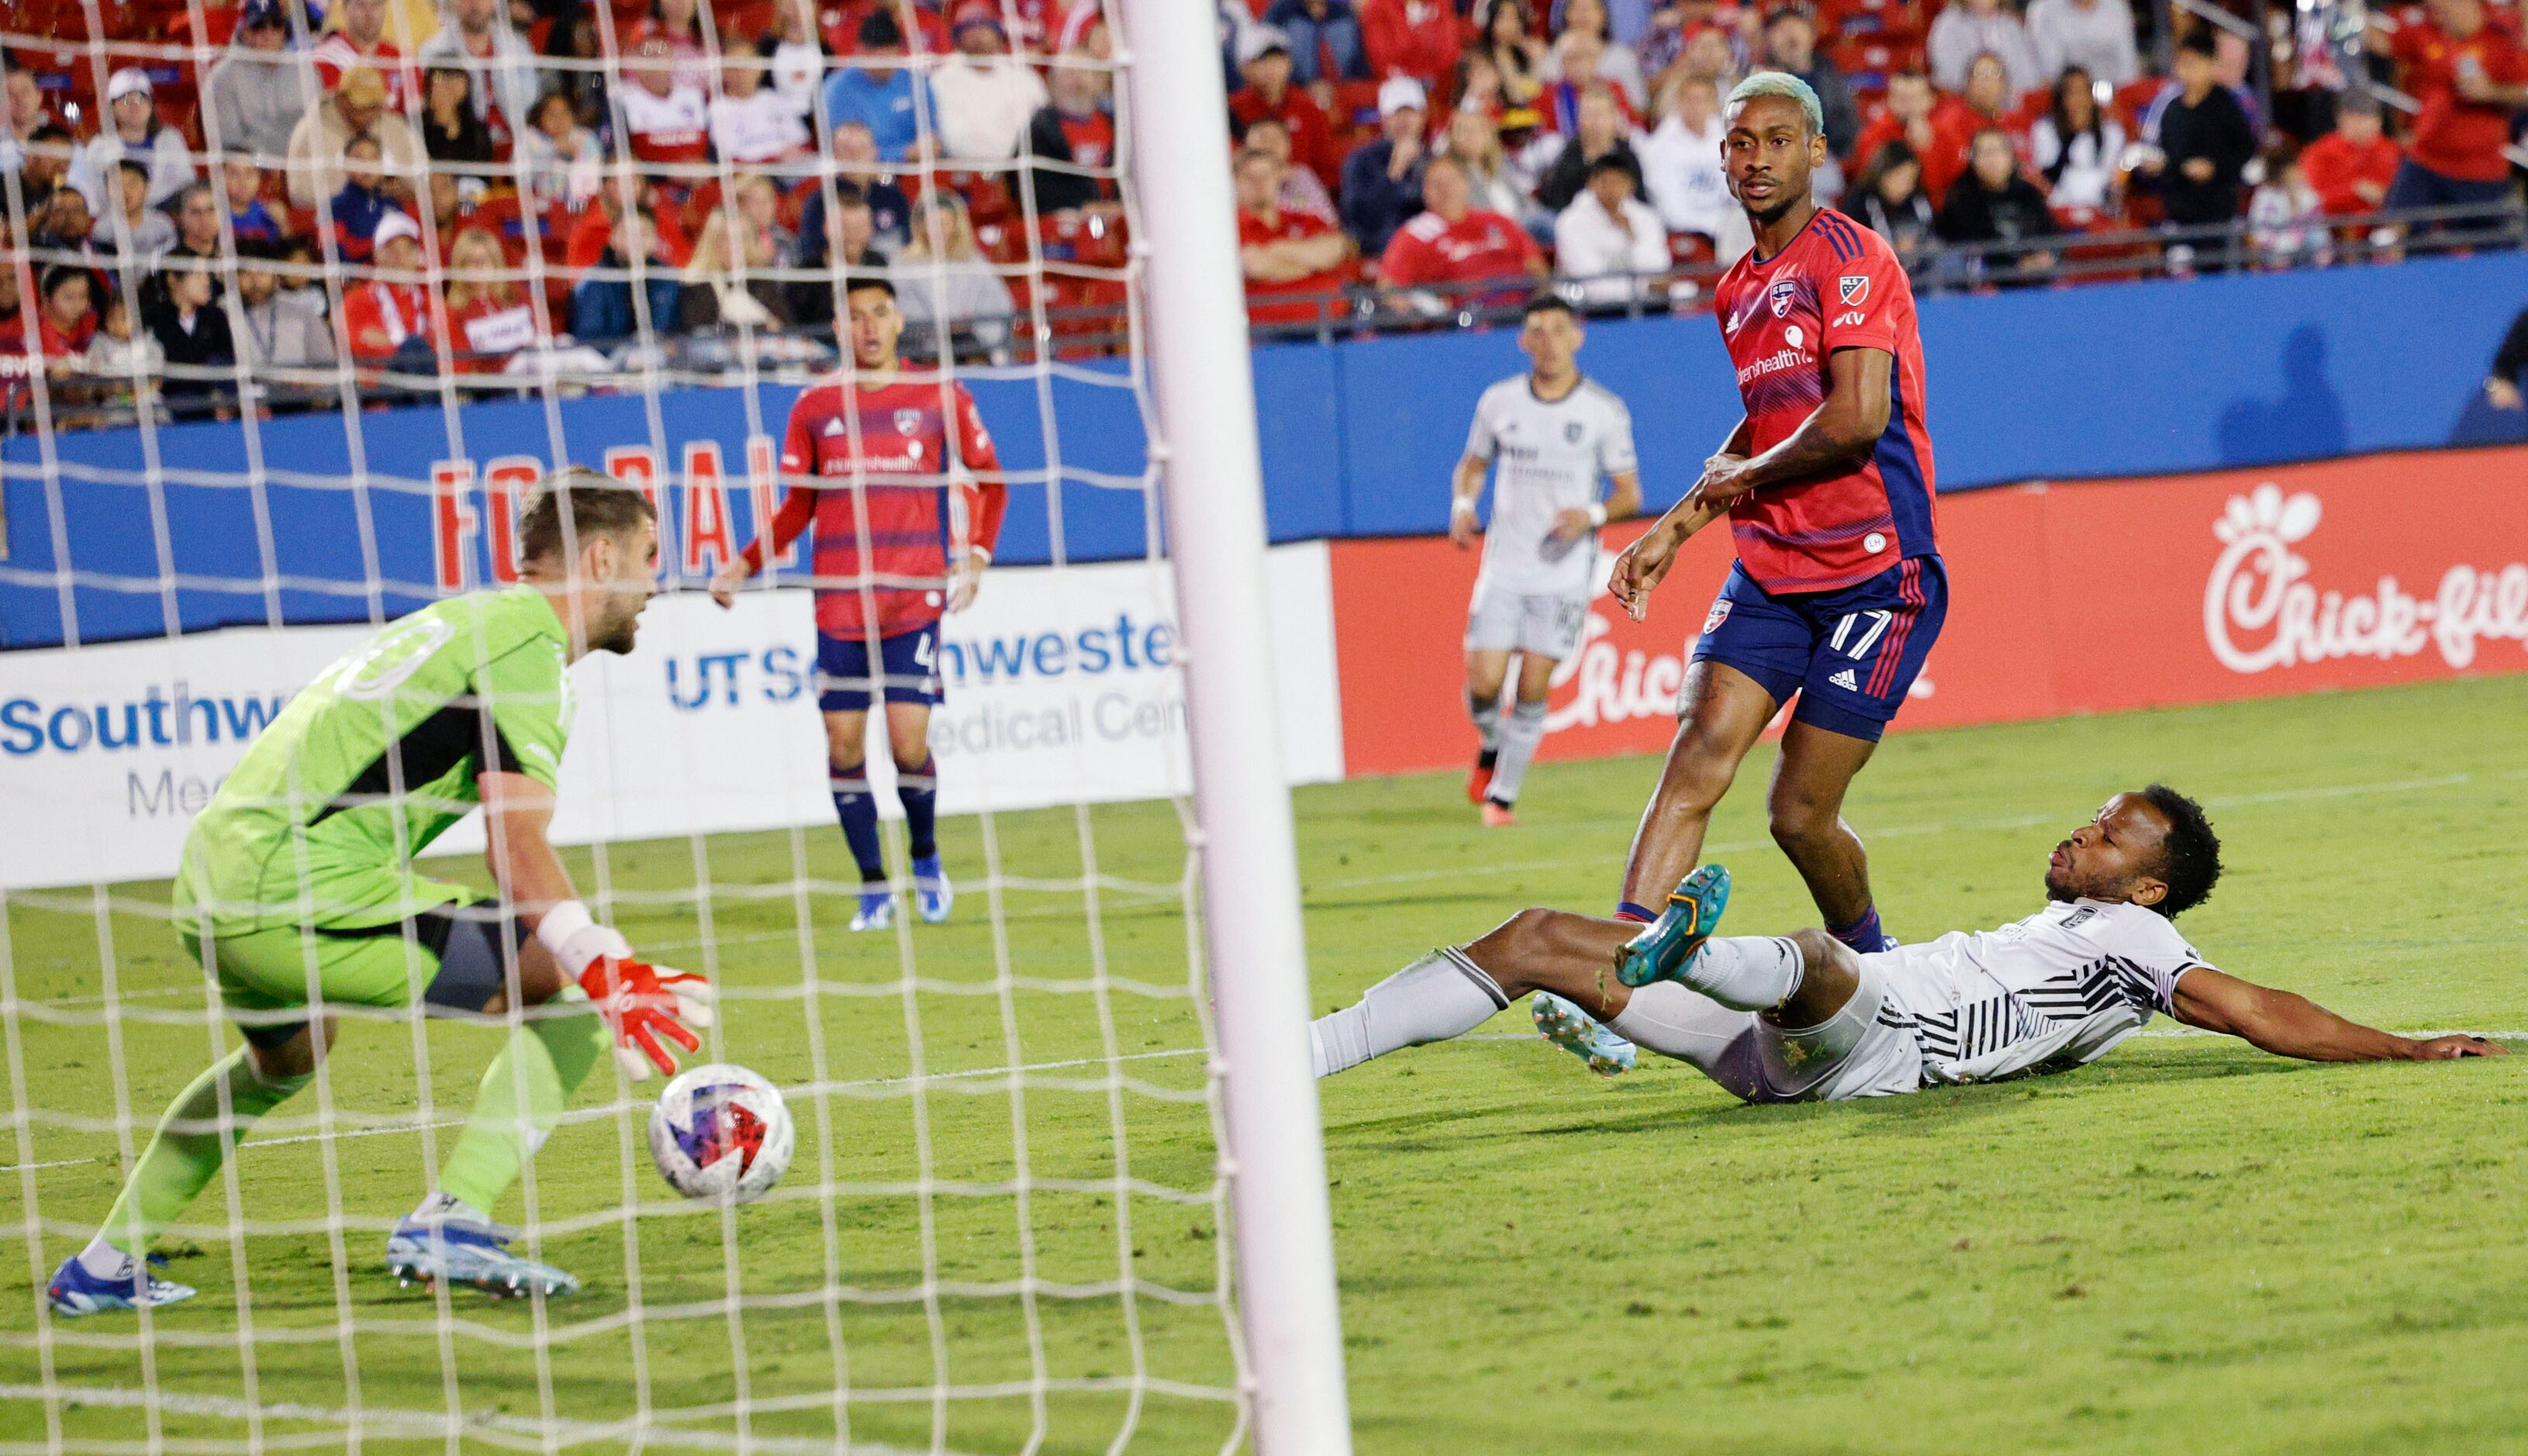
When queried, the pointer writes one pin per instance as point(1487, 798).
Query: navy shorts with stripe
point(1851, 653)
point(908, 661)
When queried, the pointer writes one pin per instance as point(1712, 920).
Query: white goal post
point(1205, 448)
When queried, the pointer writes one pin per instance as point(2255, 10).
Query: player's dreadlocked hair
point(2191, 854)
point(598, 506)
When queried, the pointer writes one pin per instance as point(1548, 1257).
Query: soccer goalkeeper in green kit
point(298, 892)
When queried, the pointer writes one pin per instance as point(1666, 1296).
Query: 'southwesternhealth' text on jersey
point(1549, 457)
point(1836, 286)
point(898, 468)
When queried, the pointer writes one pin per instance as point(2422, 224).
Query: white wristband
point(1461, 505)
point(1597, 513)
point(575, 939)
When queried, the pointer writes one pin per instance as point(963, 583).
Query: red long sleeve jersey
point(906, 491)
point(1836, 286)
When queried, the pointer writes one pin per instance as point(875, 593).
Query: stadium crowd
point(458, 194)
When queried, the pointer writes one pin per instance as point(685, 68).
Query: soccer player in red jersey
point(905, 492)
point(1838, 592)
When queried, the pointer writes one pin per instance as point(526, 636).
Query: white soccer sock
point(448, 1208)
point(1437, 996)
point(1676, 1021)
point(103, 1260)
point(1747, 972)
point(1518, 740)
point(1486, 716)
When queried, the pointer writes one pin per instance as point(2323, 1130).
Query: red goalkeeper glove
point(642, 1004)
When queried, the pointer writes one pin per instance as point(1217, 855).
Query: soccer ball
point(720, 1134)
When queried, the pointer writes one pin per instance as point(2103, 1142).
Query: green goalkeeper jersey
point(374, 759)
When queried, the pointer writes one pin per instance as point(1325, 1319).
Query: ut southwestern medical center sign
point(1064, 686)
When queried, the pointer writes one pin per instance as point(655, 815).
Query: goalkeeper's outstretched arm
point(2291, 1025)
point(642, 1004)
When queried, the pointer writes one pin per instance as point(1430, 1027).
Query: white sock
point(1747, 972)
point(1692, 1027)
point(103, 1260)
point(444, 1208)
point(1437, 996)
point(1518, 740)
point(1486, 716)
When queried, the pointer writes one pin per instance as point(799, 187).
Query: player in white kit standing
point(1552, 434)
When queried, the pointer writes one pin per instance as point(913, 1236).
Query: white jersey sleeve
point(1482, 443)
point(1615, 443)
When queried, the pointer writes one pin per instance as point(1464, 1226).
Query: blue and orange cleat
point(1667, 945)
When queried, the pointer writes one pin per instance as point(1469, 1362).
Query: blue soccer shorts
point(1851, 653)
point(909, 663)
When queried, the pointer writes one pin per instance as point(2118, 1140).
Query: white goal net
point(268, 392)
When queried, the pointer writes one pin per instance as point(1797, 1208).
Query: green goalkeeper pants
point(456, 958)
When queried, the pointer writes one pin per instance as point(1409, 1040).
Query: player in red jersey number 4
point(1838, 592)
point(904, 487)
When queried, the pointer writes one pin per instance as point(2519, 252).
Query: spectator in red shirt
point(2468, 74)
point(1290, 260)
point(1912, 117)
point(2351, 167)
point(1074, 130)
point(488, 318)
point(392, 308)
point(1264, 61)
point(1412, 37)
point(1451, 243)
point(68, 319)
point(1984, 103)
point(1300, 189)
point(669, 121)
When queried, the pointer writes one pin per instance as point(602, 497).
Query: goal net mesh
point(1003, 1228)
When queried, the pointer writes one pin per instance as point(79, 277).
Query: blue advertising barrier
point(1358, 438)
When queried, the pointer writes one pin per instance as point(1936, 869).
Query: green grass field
point(2189, 1246)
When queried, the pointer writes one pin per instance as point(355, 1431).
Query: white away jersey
point(1548, 457)
point(2049, 993)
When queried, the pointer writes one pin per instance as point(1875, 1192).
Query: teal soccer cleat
point(1576, 1031)
point(1667, 946)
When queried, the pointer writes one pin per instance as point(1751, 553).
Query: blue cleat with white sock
point(1667, 945)
point(933, 895)
point(74, 1290)
point(1581, 1035)
point(878, 909)
point(459, 1251)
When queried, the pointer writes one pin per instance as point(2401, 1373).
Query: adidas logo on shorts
point(1846, 681)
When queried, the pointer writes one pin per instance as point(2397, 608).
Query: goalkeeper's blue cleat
point(457, 1252)
point(74, 1291)
point(1582, 1035)
point(933, 895)
point(878, 909)
point(1667, 945)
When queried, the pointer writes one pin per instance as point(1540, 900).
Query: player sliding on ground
point(1804, 1018)
point(1838, 592)
point(297, 893)
point(1552, 434)
point(900, 478)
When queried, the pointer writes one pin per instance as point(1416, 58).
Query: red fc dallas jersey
point(914, 449)
point(1838, 286)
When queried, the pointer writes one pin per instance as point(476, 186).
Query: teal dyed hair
point(1783, 84)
